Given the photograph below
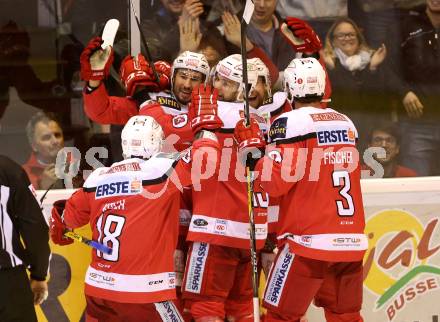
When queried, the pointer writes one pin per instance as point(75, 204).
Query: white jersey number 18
point(109, 231)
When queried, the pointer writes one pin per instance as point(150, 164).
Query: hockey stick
point(247, 14)
point(78, 237)
point(89, 242)
point(109, 33)
point(144, 42)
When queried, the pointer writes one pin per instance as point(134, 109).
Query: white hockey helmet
point(231, 68)
point(192, 61)
point(257, 68)
point(304, 77)
point(141, 137)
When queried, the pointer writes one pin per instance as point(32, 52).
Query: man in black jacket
point(420, 57)
point(24, 238)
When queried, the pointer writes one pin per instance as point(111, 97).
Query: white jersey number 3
point(109, 231)
point(342, 179)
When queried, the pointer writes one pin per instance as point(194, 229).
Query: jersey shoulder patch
point(278, 129)
point(290, 126)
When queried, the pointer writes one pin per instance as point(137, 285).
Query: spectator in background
point(387, 136)
point(15, 71)
point(420, 67)
point(359, 78)
point(379, 19)
point(211, 43)
point(46, 139)
point(319, 14)
point(162, 30)
point(264, 31)
point(300, 37)
point(57, 95)
point(218, 7)
point(24, 243)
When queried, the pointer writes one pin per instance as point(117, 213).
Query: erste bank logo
point(121, 188)
point(335, 135)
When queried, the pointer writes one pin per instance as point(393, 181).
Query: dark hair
point(387, 127)
point(212, 37)
point(37, 118)
point(308, 99)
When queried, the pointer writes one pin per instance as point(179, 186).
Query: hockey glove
point(137, 72)
point(163, 70)
point(95, 61)
point(250, 142)
point(300, 35)
point(203, 109)
point(57, 226)
point(249, 136)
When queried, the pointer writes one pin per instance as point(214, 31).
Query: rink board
point(402, 274)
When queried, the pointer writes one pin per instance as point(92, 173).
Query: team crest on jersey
point(278, 129)
point(168, 102)
point(180, 120)
point(121, 188)
point(334, 135)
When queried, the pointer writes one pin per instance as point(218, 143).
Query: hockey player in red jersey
point(315, 172)
point(145, 94)
point(217, 282)
point(132, 207)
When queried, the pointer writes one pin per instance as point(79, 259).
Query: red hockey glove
point(56, 224)
point(249, 136)
point(203, 109)
point(137, 72)
point(163, 70)
point(300, 35)
point(95, 61)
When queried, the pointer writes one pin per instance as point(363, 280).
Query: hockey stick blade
point(91, 243)
point(109, 33)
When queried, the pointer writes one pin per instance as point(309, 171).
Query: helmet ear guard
point(141, 137)
point(303, 78)
point(260, 70)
